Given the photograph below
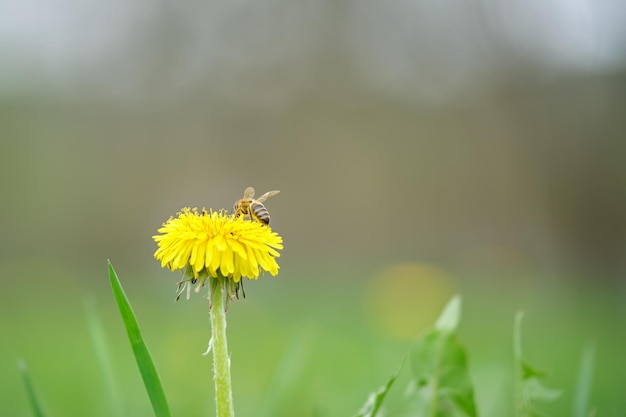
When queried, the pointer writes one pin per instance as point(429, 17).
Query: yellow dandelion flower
point(214, 244)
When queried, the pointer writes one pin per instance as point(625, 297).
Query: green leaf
point(528, 371)
point(450, 317)
point(376, 398)
point(142, 355)
point(439, 366)
point(35, 405)
point(528, 378)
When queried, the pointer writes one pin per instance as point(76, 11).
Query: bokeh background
point(422, 149)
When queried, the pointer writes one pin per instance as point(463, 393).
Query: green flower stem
point(221, 361)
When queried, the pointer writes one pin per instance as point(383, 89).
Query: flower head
point(203, 244)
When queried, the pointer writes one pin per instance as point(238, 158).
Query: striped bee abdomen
point(259, 211)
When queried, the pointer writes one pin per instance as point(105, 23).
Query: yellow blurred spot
point(404, 299)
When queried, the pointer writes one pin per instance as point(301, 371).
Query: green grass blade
point(142, 355)
point(583, 386)
point(376, 398)
point(35, 405)
point(103, 358)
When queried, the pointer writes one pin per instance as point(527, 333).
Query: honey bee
point(253, 208)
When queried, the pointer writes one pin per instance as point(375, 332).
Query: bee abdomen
point(261, 213)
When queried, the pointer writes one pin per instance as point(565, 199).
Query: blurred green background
point(422, 150)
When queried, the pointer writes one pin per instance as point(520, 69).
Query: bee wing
point(267, 195)
point(248, 193)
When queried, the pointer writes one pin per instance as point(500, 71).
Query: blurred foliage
point(528, 380)
point(340, 354)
